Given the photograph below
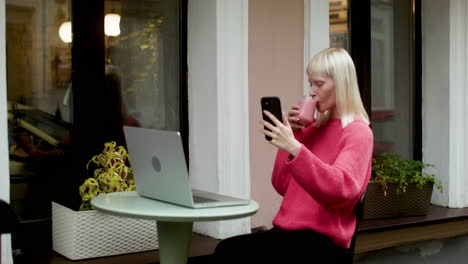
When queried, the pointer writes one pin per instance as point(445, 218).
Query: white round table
point(174, 222)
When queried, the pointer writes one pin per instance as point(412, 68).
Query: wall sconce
point(112, 24)
point(111, 27)
point(65, 32)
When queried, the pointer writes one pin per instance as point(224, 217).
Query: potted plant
point(399, 187)
point(112, 174)
point(88, 233)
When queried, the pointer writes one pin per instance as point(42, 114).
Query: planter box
point(413, 202)
point(90, 234)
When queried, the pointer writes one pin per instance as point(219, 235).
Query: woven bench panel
point(413, 202)
point(90, 234)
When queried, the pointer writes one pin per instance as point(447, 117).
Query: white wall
point(4, 167)
point(435, 90)
point(202, 89)
point(276, 68)
point(218, 104)
point(444, 80)
point(316, 31)
point(458, 184)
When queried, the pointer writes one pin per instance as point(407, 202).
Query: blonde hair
point(338, 65)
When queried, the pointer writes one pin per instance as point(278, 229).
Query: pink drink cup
point(307, 111)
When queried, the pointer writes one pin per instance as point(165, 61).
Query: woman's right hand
point(293, 118)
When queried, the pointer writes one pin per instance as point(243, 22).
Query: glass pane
point(39, 74)
point(146, 56)
point(48, 160)
point(339, 24)
point(392, 75)
point(38, 82)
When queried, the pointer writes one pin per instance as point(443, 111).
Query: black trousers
point(279, 246)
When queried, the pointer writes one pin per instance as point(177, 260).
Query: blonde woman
point(321, 172)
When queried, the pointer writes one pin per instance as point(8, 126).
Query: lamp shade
point(65, 32)
point(112, 24)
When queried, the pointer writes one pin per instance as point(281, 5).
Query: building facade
point(239, 51)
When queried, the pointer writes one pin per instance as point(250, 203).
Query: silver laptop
point(160, 171)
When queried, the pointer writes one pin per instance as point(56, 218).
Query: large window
point(77, 72)
point(392, 76)
point(339, 30)
point(383, 37)
point(147, 52)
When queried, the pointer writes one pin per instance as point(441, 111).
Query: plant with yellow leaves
point(111, 175)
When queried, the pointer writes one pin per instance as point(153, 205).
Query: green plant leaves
point(112, 174)
point(394, 168)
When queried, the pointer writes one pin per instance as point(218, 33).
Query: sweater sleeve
point(337, 184)
point(279, 179)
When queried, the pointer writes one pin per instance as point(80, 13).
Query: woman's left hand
point(281, 134)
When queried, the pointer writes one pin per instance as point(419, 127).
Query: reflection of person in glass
point(320, 171)
point(113, 85)
point(114, 94)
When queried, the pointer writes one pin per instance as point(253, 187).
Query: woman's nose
point(312, 93)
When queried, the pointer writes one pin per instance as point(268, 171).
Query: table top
point(130, 204)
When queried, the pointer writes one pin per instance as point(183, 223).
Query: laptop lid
point(158, 163)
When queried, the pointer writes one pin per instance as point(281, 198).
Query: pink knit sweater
point(322, 184)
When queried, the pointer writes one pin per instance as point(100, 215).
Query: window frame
point(360, 50)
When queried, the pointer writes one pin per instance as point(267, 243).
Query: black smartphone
point(272, 105)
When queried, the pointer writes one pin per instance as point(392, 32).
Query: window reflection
point(392, 75)
point(140, 88)
point(38, 78)
point(147, 51)
point(339, 24)
point(39, 114)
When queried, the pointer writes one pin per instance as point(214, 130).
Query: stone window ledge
point(440, 222)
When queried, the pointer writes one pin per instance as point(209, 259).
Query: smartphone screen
point(272, 105)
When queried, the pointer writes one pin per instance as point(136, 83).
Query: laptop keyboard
point(199, 199)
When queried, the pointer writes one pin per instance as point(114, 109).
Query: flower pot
point(413, 202)
point(90, 234)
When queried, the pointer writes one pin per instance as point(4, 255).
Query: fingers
point(296, 126)
point(295, 107)
point(270, 134)
point(286, 121)
point(294, 112)
point(273, 118)
point(293, 116)
point(268, 125)
point(293, 119)
point(268, 129)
